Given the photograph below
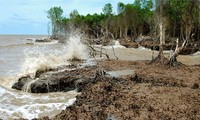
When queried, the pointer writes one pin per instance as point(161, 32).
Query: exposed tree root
point(172, 61)
point(160, 58)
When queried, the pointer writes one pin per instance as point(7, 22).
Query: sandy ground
point(142, 53)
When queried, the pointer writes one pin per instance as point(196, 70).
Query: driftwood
point(94, 52)
point(100, 75)
point(102, 37)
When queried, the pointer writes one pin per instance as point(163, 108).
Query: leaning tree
point(55, 15)
point(186, 13)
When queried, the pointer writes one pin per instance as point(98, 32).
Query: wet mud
point(153, 91)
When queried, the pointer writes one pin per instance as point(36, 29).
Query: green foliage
point(55, 15)
point(107, 9)
point(182, 14)
point(74, 14)
point(133, 19)
point(120, 7)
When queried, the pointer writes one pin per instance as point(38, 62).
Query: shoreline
point(139, 75)
point(23, 35)
point(153, 91)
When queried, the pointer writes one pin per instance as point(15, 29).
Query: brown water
point(19, 59)
point(145, 54)
point(119, 73)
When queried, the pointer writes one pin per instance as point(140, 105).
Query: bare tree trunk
point(160, 58)
point(188, 28)
point(125, 32)
point(174, 29)
point(161, 24)
point(172, 60)
point(198, 32)
point(120, 32)
point(116, 33)
point(106, 35)
point(164, 35)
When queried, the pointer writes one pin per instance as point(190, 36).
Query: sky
point(30, 16)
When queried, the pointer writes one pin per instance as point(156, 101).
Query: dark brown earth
point(129, 44)
point(190, 48)
point(153, 92)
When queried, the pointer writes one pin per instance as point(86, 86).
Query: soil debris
point(153, 92)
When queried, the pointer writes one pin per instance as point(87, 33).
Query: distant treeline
point(180, 19)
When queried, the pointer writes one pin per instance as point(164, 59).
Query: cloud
point(18, 18)
point(29, 14)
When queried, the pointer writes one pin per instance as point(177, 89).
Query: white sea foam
point(38, 59)
point(26, 60)
point(197, 53)
point(143, 48)
point(8, 81)
point(90, 62)
point(2, 91)
point(31, 111)
point(14, 105)
point(116, 44)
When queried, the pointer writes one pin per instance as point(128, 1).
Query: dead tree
point(112, 36)
point(172, 59)
point(186, 37)
point(160, 58)
point(102, 37)
point(90, 43)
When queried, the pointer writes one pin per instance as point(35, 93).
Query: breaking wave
point(46, 57)
point(15, 105)
point(18, 104)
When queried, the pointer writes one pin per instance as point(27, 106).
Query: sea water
point(17, 59)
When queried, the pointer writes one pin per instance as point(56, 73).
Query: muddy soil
point(153, 91)
point(191, 48)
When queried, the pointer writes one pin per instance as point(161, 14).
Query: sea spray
point(26, 60)
point(76, 48)
point(27, 87)
point(15, 105)
point(41, 58)
point(115, 45)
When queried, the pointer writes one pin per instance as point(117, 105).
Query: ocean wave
point(15, 105)
point(197, 53)
point(115, 45)
point(36, 59)
point(14, 45)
